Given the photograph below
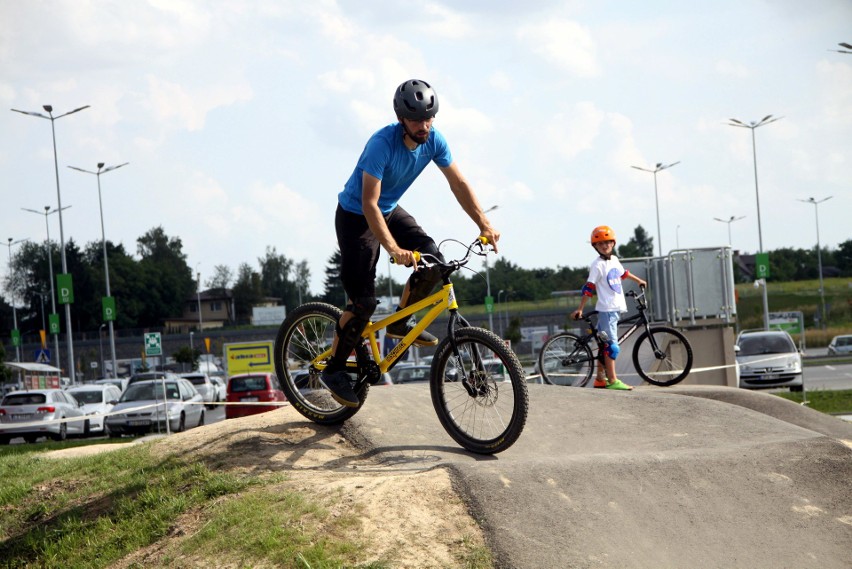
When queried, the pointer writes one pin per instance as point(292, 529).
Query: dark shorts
point(359, 248)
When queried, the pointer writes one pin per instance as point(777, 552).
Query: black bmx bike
point(481, 405)
point(661, 355)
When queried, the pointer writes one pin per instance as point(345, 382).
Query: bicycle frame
point(436, 303)
point(639, 321)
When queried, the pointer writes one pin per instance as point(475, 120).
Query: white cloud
point(572, 133)
point(447, 23)
point(173, 103)
point(731, 69)
point(564, 43)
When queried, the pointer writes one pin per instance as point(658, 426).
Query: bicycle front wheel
point(480, 398)
point(662, 356)
point(565, 360)
point(306, 333)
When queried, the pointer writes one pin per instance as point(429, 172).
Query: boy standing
point(605, 276)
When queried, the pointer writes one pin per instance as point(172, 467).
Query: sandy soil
point(413, 518)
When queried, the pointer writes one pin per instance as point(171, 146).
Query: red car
point(253, 388)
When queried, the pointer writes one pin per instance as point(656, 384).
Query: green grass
point(831, 402)
point(94, 511)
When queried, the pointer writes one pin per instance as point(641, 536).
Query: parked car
point(141, 408)
point(493, 367)
point(253, 388)
point(146, 375)
point(768, 358)
point(205, 386)
point(38, 413)
point(403, 373)
point(221, 387)
point(840, 345)
point(119, 382)
point(97, 401)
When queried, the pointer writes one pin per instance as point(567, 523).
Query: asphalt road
point(681, 477)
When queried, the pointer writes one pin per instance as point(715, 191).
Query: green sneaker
point(619, 385)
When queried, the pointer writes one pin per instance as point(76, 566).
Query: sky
point(240, 121)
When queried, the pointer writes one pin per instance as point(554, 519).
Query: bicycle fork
point(476, 357)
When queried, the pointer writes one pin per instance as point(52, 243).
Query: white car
point(204, 385)
point(38, 413)
point(97, 401)
point(142, 409)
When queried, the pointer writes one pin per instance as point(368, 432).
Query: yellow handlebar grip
point(416, 255)
point(483, 239)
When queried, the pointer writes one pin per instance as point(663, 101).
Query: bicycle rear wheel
point(307, 332)
point(481, 399)
point(565, 360)
point(663, 357)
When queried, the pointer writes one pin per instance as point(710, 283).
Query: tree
point(843, 258)
point(640, 245)
point(334, 293)
point(221, 279)
point(274, 276)
point(165, 275)
point(247, 291)
point(187, 355)
point(303, 280)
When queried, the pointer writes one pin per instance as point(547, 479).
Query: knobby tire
point(669, 367)
point(305, 333)
point(565, 360)
point(492, 418)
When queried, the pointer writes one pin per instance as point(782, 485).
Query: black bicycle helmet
point(415, 100)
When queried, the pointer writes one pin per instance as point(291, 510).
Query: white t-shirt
point(606, 276)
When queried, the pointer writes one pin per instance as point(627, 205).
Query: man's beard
point(420, 138)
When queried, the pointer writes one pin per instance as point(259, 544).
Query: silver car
point(41, 412)
point(768, 358)
point(840, 345)
point(142, 410)
point(97, 400)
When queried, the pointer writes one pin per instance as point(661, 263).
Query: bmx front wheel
point(480, 397)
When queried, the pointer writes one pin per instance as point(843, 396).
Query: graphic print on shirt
point(613, 279)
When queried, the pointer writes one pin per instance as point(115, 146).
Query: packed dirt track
point(656, 478)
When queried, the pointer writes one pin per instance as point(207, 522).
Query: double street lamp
point(659, 167)
point(819, 254)
point(68, 330)
point(729, 222)
point(754, 125)
point(47, 212)
point(102, 170)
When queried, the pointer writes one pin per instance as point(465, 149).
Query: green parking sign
point(16, 338)
point(53, 323)
point(153, 344)
point(108, 306)
point(761, 265)
point(65, 287)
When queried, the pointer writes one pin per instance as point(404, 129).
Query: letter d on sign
point(66, 288)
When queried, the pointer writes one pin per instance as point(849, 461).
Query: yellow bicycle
point(482, 409)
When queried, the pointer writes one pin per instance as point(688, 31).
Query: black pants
point(359, 248)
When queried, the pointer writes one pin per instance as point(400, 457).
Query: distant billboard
point(268, 315)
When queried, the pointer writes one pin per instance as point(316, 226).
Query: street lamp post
point(660, 166)
point(677, 237)
point(499, 294)
point(102, 170)
point(819, 254)
point(198, 298)
point(753, 125)
point(68, 329)
point(47, 212)
point(729, 222)
point(488, 281)
point(101, 349)
point(12, 295)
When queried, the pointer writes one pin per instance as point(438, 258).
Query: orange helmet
point(602, 233)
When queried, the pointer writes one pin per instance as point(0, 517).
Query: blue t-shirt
point(387, 158)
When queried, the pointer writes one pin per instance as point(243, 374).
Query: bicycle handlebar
point(430, 260)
